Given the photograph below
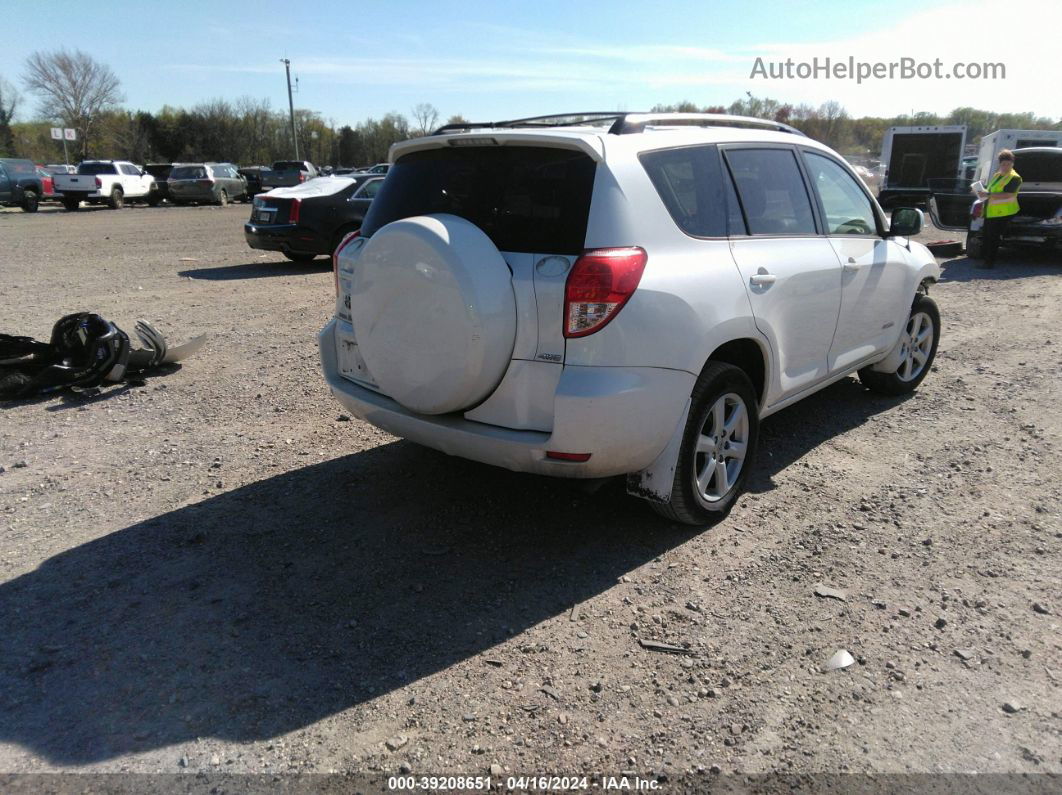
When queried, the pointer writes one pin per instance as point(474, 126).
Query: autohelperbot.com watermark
point(850, 68)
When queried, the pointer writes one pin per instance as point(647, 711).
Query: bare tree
point(425, 118)
point(72, 86)
point(8, 106)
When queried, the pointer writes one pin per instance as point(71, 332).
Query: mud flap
point(654, 483)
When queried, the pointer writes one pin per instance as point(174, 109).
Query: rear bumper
point(622, 416)
point(284, 237)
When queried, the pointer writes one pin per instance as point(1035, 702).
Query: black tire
point(30, 201)
point(117, 199)
point(300, 257)
point(223, 198)
point(153, 199)
point(974, 246)
point(894, 383)
point(729, 385)
point(71, 204)
point(341, 233)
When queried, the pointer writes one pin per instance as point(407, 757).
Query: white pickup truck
point(106, 181)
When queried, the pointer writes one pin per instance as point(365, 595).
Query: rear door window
point(774, 199)
point(525, 198)
point(688, 182)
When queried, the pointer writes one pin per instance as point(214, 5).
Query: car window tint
point(687, 181)
point(524, 198)
point(848, 211)
point(96, 168)
point(735, 221)
point(188, 172)
point(772, 192)
point(369, 189)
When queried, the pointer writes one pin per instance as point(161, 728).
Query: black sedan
point(310, 220)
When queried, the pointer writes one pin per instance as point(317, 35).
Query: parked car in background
point(113, 182)
point(161, 173)
point(1038, 222)
point(624, 299)
point(253, 175)
point(288, 173)
point(20, 184)
point(916, 155)
point(379, 168)
point(214, 183)
point(310, 220)
point(60, 168)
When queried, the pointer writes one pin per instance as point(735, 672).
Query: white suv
point(621, 294)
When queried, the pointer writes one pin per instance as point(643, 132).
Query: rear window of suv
point(188, 172)
point(524, 198)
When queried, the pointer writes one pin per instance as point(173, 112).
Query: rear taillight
point(293, 211)
point(204, 182)
point(348, 238)
point(99, 182)
point(600, 283)
point(978, 209)
point(302, 177)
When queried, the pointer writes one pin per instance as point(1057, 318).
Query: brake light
point(978, 209)
point(204, 182)
point(302, 177)
point(99, 182)
point(350, 236)
point(293, 211)
point(600, 283)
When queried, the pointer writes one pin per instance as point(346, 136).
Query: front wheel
point(223, 198)
point(30, 201)
point(718, 447)
point(974, 246)
point(299, 257)
point(918, 348)
point(117, 199)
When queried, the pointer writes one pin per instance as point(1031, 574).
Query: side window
point(772, 192)
point(688, 182)
point(369, 189)
point(848, 211)
point(735, 221)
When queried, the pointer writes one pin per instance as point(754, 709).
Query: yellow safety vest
point(996, 185)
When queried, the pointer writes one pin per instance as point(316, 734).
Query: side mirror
point(906, 222)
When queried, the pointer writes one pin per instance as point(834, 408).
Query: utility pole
point(291, 106)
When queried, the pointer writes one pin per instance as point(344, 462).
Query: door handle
point(763, 279)
point(852, 265)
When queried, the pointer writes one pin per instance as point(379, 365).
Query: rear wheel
point(30, 201)
point(223, 198)
point(154, 199)
point(117, 199)
point(718, 447)
point(918, 348)
point(294, 257)
point(71, 204)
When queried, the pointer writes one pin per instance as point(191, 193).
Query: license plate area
point(264, 215)
point(351, 364)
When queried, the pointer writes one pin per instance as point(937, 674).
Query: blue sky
point(490, 61)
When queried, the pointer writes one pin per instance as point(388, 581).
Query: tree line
point(74, 90)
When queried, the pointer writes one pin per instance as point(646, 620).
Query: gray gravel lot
point(219, 572)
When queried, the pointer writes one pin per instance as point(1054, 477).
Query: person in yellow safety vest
point(1001, 204)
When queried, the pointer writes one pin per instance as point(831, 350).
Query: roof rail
point(637, 122)
point(624, 123)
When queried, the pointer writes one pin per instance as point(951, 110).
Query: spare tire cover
point(434, 312)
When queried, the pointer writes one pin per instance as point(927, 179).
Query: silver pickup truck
point(288, 174)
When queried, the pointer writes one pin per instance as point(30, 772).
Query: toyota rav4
point(622, 294)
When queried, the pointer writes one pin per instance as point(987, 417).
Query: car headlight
point(1053, 221)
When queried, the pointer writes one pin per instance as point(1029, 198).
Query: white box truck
point(915, 155)
point(993, 143)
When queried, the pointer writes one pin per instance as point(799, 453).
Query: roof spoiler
point(624, 123)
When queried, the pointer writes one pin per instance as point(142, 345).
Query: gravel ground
point(218, 572)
